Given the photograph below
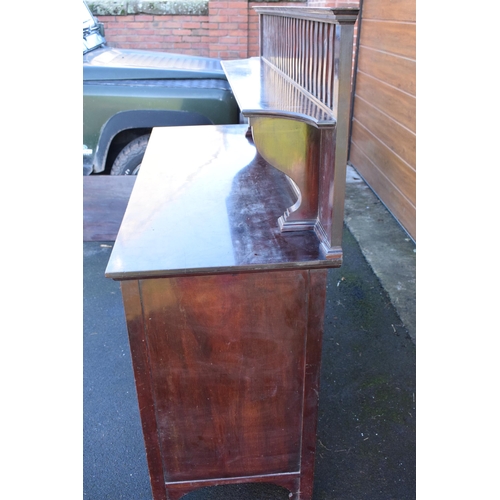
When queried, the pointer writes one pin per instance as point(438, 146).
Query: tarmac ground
point(366, 439)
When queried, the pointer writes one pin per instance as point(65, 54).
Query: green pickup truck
point(128, 92)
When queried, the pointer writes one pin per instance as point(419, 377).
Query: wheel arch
point(127, 125)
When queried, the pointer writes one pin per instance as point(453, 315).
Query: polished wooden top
point(263, 90)
point(206, 202)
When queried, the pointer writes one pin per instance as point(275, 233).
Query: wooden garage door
point(383, 135)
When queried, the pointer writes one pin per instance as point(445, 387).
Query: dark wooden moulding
point(223, 264)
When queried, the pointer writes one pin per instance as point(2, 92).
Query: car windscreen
point(88, 19)
point(92, 38)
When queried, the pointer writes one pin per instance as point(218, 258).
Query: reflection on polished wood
point(261, 90)
point(208, 209)
point(293, 147)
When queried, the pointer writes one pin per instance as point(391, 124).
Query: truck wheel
point(128, 162)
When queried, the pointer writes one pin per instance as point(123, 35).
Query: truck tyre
point(128, 162)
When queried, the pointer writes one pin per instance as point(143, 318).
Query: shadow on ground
point(366, 426)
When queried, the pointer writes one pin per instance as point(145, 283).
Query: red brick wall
point(228, 29)
point(182, 34)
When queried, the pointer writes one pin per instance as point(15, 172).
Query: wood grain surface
point(227, 375)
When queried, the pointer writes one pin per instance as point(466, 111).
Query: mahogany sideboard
point(223, 275)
